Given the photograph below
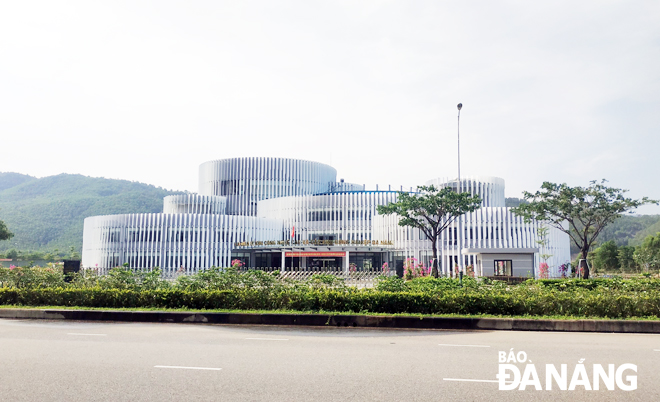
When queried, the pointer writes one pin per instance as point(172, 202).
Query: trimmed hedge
point(518, 300)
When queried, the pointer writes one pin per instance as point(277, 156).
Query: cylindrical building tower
point(194, 204)
point(245, 181)
point(490, 189)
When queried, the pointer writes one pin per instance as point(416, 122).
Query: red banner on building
point(315, 254)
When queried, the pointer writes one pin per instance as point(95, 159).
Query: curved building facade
point(246, 181)
point(172, 242)
point(335, 216)
point(490, 189)
point(293, 214)
point(194, 204)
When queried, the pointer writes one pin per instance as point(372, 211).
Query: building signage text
point(315, 243)
point(315, 254)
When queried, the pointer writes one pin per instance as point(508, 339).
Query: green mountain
point(9, 179)
point(514, 202)
point(630, 230)
point(48, 213)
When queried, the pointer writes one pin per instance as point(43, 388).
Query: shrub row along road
point(75, 361)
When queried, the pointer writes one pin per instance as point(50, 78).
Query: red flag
point(293, 232)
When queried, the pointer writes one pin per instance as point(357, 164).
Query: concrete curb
point(370, 321)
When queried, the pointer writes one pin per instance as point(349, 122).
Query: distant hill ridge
point(48, 213)
point(9, 179)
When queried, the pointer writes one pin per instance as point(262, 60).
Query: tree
point(648, 254)
point(586, 210)
point(627, 258)
point(431, 210)
point(5, 234)
point(73, 254)
point(607, 256)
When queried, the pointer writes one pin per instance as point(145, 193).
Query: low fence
point(357, 277)
point(361, 277)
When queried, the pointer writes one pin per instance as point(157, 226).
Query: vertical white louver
point(169, 241)
point(243, 180)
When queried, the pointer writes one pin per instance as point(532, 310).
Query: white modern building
point(294, 215)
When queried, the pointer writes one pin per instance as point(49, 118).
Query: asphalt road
point(81, 361)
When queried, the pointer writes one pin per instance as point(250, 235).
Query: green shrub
point(522, 300)
point(228, 288)
point(32, 277)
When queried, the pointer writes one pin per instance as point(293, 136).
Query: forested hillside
point(48, 213)
point(628, 230)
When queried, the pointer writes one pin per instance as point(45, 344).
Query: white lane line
point(267, 339)
point(468, 380)
point(76, 333)
point(470, 346)
point(189, 368)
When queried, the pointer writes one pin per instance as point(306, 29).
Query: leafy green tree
point(626, 258)
point(431, 210)
point(73, 254)
point(648, 254)
point(580, 212)
point(606, 257)
point(5, 234)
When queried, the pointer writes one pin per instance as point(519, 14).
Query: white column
point(283, 260)
point(346, 263)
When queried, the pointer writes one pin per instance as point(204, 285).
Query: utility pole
point(460, 106)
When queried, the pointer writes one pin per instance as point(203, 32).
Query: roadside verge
point(339, 320)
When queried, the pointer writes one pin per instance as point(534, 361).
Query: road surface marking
point(267, 339)
point(75, 333)
point(471, 346)
point(468, 380)
point(189, 368)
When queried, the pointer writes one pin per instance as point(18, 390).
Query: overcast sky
point(147, 91)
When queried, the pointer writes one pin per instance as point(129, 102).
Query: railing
point(511, 280)
point(361, 277)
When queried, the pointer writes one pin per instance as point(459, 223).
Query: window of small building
point(503, 268)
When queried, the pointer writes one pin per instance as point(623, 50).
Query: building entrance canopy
point(310, 258)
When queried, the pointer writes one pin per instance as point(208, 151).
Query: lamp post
point(458, 130)
point(460, 106)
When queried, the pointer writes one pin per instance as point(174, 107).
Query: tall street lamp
point(460, 106)
point(458, 187)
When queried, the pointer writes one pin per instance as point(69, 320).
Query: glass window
point(503, 268)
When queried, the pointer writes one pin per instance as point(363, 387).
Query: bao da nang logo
point(565, 377)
